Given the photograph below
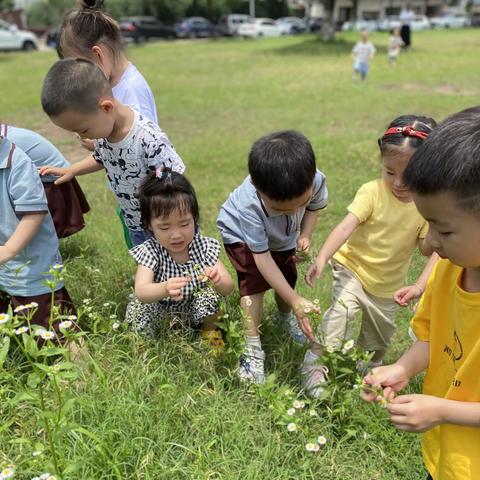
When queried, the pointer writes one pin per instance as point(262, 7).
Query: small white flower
point(113, 316)
point(20, 308)
point(348, 346)
point(312, 447)
point(248, 301)
point(86, 301)
point(106, 304)
point(321, 440)
point(307, 309)
point(57, 266)
point(21, 330)
point(72, 317)
point(45, 476)
point(7, 473)
point(298, 404)
point(291, 411)
point(36, 478)
point(330, 348)
point(66, 324)
point(4, 318)
point(115, 325)
point(37, 453)
point(316, 301)
point(39, 332)
point(312, 412)
point(50, 335)
point(292, 427)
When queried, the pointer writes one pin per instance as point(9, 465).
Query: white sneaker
point(251, 367)
point(314, 378)
point(293, 327)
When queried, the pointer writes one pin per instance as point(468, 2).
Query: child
point(77, 97)
point(363, 52)
point(444, 177)
point(259, 224)
point(395, 44)
point(28, 242)
point(66, 202)
point(371, 249)
point(175, 265)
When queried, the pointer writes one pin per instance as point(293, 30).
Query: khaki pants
point(349, 297)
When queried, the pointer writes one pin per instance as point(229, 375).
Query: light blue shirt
point(244, 218)
point(21, 191)
point(38, 148)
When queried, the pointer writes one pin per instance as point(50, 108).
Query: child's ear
point(106, 105)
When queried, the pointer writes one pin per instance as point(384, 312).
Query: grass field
point(165, 410)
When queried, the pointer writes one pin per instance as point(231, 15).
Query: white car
point(11, 38)
point(420, 22)
point(360, 25)
point(389, 23)
point(450, 21)
point(291, 25)
point(259, 27)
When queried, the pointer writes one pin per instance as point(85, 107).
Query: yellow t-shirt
point(380, 250)
point(449, 319)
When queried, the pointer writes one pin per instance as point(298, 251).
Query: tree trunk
point(328, 24)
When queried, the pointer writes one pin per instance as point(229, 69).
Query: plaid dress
point(199, 300)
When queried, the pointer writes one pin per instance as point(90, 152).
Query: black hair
point(87, 26)
point(400, 139)
point(449, 160)
point(160, 195)
point(74, 84)
point(282, 165)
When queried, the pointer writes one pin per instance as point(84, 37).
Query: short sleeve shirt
point(363, 51)
point(244, 218)
point(21, 192)
point(129, 161)
point(38, 148)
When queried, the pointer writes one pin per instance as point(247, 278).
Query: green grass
point(164, 410)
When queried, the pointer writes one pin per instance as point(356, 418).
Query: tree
point(328, 24)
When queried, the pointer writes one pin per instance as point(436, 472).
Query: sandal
point(214, 340)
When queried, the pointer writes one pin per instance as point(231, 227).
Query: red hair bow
point(408, 131)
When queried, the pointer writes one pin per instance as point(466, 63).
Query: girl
point(179, 274)
point(370, 252)
point(66, 202)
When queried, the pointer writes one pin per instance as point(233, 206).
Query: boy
point(77, 97)
point(259, 224)
point(444, 176)
point(362, 52)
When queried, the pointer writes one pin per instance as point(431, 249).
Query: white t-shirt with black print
point(129, 161)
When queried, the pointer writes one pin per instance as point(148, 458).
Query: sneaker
point(293, 327)
point(251, 365)
point(314, 378)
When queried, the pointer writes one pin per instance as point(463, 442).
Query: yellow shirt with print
point(380, 250)
point(449, 319)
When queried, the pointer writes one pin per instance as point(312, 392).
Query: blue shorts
point(361, 68)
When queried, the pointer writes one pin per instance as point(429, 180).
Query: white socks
point(310, 357)
point(254, 341)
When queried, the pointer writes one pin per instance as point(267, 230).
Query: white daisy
point(312, 412)
point(39, 332)
point(4, 318)
point(72, 317)
point(292, 427)
point(291, 411)
point(298, 404)
point(21, 330)
point(20, 308)
point(348, 345)
point(321, 440)
point(7, 473)
point(106, 304)
point(45, 476)
point(115, 325)
point(66, 324)
point(248, 301)
point(50, 335)
point(37, 453)
point(312, 447)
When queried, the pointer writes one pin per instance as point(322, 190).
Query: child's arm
point(274, 277)
point(339, 235)
point(85, 166)
point(221, 279)
point(147, 291)
point(26, 229)
point(411, 292)
point(306, 230)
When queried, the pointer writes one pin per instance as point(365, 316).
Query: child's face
point(394, 163)
point(87, 125)
point(175, 232)
point(287, 207)
point(453, 232)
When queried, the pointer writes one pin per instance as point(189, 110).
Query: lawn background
point(165, 410)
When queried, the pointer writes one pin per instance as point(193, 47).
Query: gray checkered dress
point(199, 301)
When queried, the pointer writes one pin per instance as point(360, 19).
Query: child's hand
point(301, 308)
point(406, 294)
point(303, 245)
point(415, 413)
point(5, 254)
point(314, 272)
point(174, 287)
point(62, 172)
point(213, 275)
point(392, 378)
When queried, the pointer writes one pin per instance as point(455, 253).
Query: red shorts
point(250, 280)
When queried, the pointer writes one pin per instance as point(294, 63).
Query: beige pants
point(349, 297)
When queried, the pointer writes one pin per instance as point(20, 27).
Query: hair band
point(408, 131)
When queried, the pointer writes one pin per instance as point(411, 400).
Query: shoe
point(314, 378)
point(251, 367)
point(213, 339)
point(293, 327)
point(363, 368)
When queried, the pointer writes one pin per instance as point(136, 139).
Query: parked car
point(259, 27)
point(388, 23)
point(229, 24)
point(195, 27)
point(11, 38)
point(314, 24)
point(420, 22)
point(143, 28)
point(450, 21)
point(291, 25)
point(359, 25)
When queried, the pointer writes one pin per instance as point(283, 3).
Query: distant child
point(370, 251)
point(66, 202)
point(444, 176)
point(260, 224)
point(363, 52)
point(28, 242)
point(176, 266)
point(77, 97)
point(395, 44)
